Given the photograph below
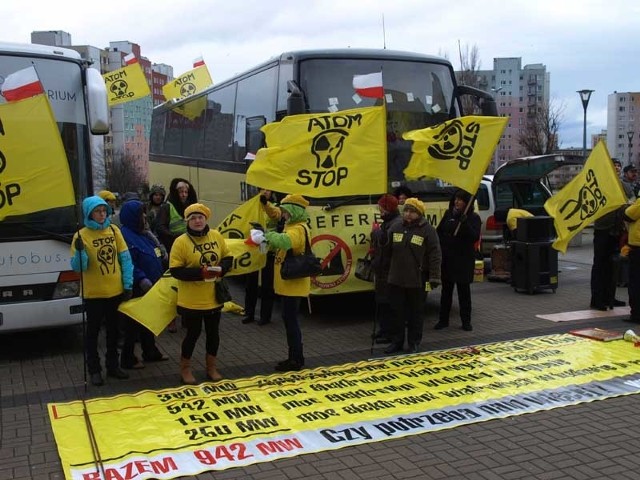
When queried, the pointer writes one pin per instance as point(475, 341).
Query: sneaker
point(289, 366)
point(96, 379)
point(117, 373)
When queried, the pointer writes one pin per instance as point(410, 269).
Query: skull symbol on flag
point(327, 146)
point(119, 88)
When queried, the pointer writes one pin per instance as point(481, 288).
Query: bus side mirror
point(295, 101)
point(97, 103)
point(485, 100)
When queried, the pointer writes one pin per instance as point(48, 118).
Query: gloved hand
point(624, 251)
point(256, 237)
point(79, 244)
point(434, 284)
point(126, 295)
point(145, 285)
point(208, 274)
point(463, 218)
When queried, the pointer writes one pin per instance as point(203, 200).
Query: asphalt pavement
point(590, 440)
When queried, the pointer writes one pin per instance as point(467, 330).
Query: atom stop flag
point(369, 85)
point(198, 62)
point(126, 84)
point(325, 154)
point(458, 151)
point(189, 83)
point(594, 192)
point(33, 165)
point(238, 223)
point(22, 84)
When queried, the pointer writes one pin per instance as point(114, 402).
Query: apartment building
point(623, 126)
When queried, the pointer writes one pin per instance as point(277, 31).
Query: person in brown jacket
point(415, 251)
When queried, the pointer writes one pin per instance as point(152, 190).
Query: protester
point(402, 193)
point(100, 252)
point(415, 254)
point(156, 199)
point(632, 215)
point(198, 257)
point(148, 267)
point(260, 283)
point(380, 263)
point(629, 179)
point(170, 219)
point(459, 230)
point(293, 210)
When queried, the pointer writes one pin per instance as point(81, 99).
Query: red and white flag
point(130, 59)
point(22, 84)
point(198, 62)
point(369, 85)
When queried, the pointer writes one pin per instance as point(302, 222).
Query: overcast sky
point(591, 44)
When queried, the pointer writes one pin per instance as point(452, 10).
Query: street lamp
point(630, 137)
point(495, 92)
point(585, 95)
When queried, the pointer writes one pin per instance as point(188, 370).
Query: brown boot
point(212, 373)
point(185, 372)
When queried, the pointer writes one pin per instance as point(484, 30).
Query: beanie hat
point(295, 199)
point(197, 208)
point(416, 205)
point(107, 196)
point(388, 203)
point(157, 188)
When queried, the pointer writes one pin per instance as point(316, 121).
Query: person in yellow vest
point(293, 237)
point(632, 215)
point(170, 221)
point(198, 257)
point(99, 251)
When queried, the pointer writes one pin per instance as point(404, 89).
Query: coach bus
point(38, 289)
point(208, 138)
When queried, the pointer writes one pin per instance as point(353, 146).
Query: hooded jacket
point(170, 218)
point(145, 254)
point(292, 238)
point(104, 260)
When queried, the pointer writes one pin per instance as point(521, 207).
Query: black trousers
point(99, 311)
point(290, 308)
point(464, 301)
point(407, 311)
point(603, 271)
point(193, 320)
point(633, 286)
point(260, 284)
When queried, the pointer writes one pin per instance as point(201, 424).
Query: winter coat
point(458, 251)
point(380, 256)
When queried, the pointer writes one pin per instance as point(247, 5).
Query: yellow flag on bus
point(458, 151)
point(238, 223)
point(188, 84)
point(594, 192)
point(34, 171)
point(126, 84)
point(324, 154)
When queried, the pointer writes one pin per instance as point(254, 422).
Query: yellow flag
point(238, 223)
point(324, 155)
point(458, 151)
point(126, 84)
point(191, 109)
point(594, 192)
point(34, 172)
point(188, 84)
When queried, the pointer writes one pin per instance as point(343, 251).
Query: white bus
point(206, 138)
point(38, 289)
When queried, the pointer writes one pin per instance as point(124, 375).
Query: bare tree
point(468, 75)
point(124, 175)
point(540, 133)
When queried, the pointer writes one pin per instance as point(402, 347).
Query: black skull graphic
point(187, 90)
point(447, 141)
point(209, 258)
point(119, 88)
point(107, 258)
point(586, 206)
point(327, 146)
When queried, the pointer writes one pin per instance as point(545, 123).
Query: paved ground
point(592, 440)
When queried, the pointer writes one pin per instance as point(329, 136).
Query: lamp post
point(496, 152)
point(630, 137)
point(585, 95)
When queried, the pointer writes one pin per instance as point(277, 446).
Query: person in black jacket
point(459, 230)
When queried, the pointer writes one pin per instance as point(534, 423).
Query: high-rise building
point(522, 94)
point(623, 126)
point(54, 38)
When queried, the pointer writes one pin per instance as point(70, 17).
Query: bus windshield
point(418, 94)
point(64, 89)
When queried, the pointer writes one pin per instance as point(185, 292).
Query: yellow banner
point(215, 426)
point(594, 192)
point(157, 307)
point(238, 223)
point(458, 151)
point(126, 84)
point(34, 172)
point(188, 84)
point(324, 155)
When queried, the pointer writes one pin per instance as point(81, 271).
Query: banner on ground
point(324, 155)
point(592, 193)
point(458, 151)
point(215, 426)
point(34, 172)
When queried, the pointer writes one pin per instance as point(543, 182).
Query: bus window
point(253, 134)
point(219, 124)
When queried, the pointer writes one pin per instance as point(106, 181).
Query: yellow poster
point(238, 223)
point(215, 426)
point(126, 84)
point(33, 163)
point(188, 84)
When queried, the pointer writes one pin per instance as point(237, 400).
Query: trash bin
point(534, 266)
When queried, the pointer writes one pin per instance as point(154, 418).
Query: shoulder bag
point(364, 270)
point(300, 266)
